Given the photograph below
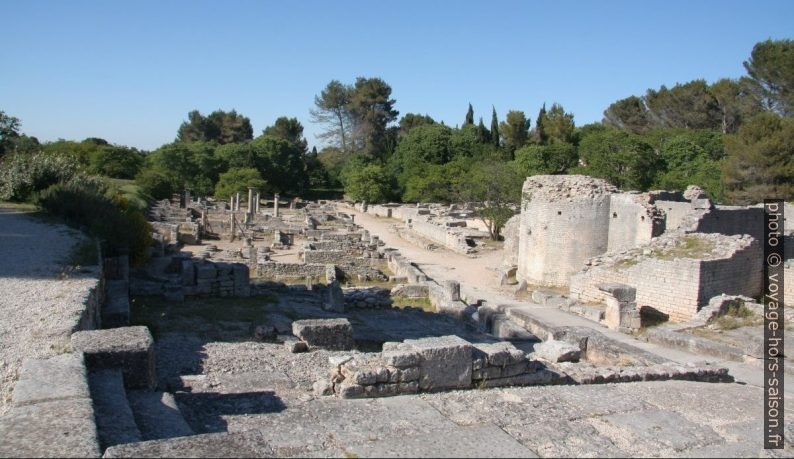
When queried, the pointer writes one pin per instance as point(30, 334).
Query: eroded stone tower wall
point(564, 222)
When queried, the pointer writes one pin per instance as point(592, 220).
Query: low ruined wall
point(446, 237)
point(275, 270)
point(335, 257)
point(676, 287)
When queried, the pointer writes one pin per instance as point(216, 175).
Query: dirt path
point(478, 279)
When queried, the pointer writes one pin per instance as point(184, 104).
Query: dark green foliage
point(497, 186)
point(483, 135)
point(622, 158)
point(469, 116)
point(190, 165)
point(371, 109)
point(9, 131)
point(156, 184)
point(495, 135)
point(556, 158)
point(239, 180)
point(515, 130)
point(289, 129)
point(219, 126)
point(557, 125)
point(412, 120)
point(685, 162)
point(87, 204)
point(629, 114)
point(278, 161)
point(760, 160)
point(771, 68)
point(539, 135)
point(367, 182)
point(116, 162)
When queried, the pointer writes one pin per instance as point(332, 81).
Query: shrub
point(23, 175)
point(88, 204)
point(239, 179)
point(155, 184)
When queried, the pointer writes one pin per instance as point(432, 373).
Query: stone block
point(557, 351)
point(401, 358)
point(335, 334)
point(446, 362)
point(334, 298)
point(129, 348)
point(206, 271)
point(621, 292)
point(59, 377)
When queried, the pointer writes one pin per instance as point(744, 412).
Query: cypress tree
point(469, 116)
point(494, 128)
point(540, 129)
point(483, 136)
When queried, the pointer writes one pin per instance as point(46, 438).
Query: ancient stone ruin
point(253, 324)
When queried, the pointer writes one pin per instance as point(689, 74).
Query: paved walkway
point(479, 280)
point(38, 309)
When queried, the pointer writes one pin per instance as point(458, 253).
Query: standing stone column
point(292, 203)
point(231, 203)
point(275, 205)
point(256, 203)
point(236, 201)
point(249, 211)
point(187, 198)
point(231, 227)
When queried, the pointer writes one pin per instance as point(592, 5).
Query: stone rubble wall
point(277, 270)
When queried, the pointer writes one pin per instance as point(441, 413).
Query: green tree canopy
point(622, 158)
point(558, 125)
point(219, 126)
point(372, 109)
point(116, 162)
point(771, 68)
point(515, 130)
point(760, 160)
point(332, 109)
point(367, 183)
point(190, 165)
point(278, 161)
point(239, 179)
point(498, 188)
point(9, 131)
point(469, 116)
point(555, 158)
point(412, 120)
point(289, 129)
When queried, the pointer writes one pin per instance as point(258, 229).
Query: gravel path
point(38, 306)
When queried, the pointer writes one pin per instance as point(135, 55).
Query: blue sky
point(130, 72)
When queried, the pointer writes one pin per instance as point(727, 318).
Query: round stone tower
point(564, 222)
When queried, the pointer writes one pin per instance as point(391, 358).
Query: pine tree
point(469, 116)
point(494, 128)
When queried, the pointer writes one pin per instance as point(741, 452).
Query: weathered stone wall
point(677, 287)
point(326, 256)
point(675, 212)
point(733, 220)
point(633, 221)
point(276, 270)
point(564, 222)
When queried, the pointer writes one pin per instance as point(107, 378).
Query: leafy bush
point(23, 175)
point(156, 184)
point(88, 204)
point(116, 162)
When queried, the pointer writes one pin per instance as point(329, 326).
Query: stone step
point(114, 419)
point(157, 415)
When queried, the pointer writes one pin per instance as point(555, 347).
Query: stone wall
point(675, 212)
point(510, 235)
point(677, 286)
point(284, 271)
point(633, 221)
point(326, 256)
point(733, 220)
point(564, 222)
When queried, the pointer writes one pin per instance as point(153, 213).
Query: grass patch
point(686, 247)
point(20, 206)
point(626, 263)
point(405, 302)
point(164, 316)
point(737, 317)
